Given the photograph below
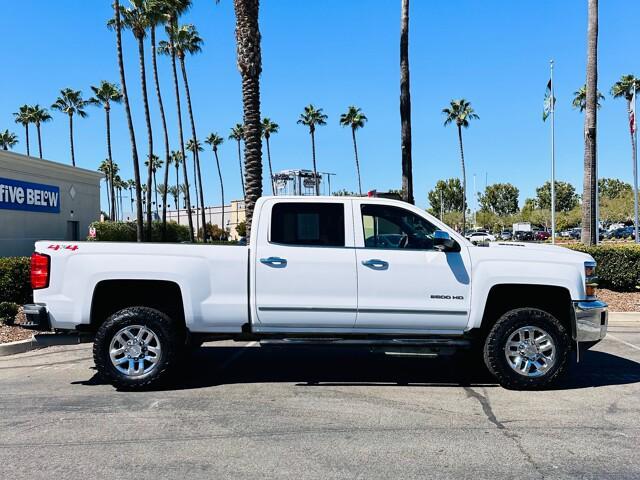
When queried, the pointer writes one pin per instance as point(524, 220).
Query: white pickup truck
point(324, 270)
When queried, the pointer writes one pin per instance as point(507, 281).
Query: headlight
point(590, 279)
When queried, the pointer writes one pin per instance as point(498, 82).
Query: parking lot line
point(612, 337)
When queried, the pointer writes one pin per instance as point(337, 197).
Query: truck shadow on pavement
point(212, 366)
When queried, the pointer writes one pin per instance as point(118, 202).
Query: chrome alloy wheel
point(135, 350)
point(530, 351)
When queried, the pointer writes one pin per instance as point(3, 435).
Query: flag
point(632, 113)
point(546, 111)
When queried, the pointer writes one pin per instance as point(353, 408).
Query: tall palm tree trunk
point(244, 193)
point(26, 133)
point(313, 156)
point(633, 143)
point(164, 131)
point(195, 188)
point(250, 66)
point(178, 190)
point(273, 186)
point(196, 154)
point(39, 139)
point(73, 157)
point(147, 117)
point(355, 149)
point(132, 135)
point(464, 183)
point(181, 137)
point(106, 180)
point(589, 227)
point(405, 106)
point(155, 190)
point(215, 152)
point(112, 193)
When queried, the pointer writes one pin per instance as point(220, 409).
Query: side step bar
point(391, 342)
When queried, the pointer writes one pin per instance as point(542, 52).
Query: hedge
point(126, 232)
point(15, 281)
point(618, 264)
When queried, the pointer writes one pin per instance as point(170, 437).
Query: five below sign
point(32, 197)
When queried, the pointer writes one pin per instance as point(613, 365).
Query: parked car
point(523, 236)
point(621, 233)
point(541, 235)
point(506, 235)
point(309, 276)
point(575, 233)
point(480, 237)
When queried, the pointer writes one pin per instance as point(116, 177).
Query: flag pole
point(635, 165)
point(553, 160)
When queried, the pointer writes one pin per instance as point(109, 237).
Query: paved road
point(244, 411)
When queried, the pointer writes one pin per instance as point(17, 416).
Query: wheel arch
point(110, 296)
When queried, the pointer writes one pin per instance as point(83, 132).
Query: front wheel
point(135, 347)
point(527, 348)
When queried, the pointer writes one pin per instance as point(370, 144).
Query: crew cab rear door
point(305, 265)
point(404, 283)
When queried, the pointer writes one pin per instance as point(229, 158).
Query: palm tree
point(156, 164)
point(175, 193)
point(355, 119)
point(39, 116)
point(156, 13)
point(8, 140)
point(136, 19)
point(269, 127)
point(589, 227)
point(249, 59)
point(311, 117)
point(71, 102)
point(195, 148)
point(132, 135)
point(580, 98)
point(187, 41)
point(176, 160)
point(104, 95)
point(460, 112)
point(237, 134)
point(110, 170)
point(167, 48)
point(405, 105)
point(23, 117)
point(215, 141)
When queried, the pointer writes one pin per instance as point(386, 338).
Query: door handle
point(274, 262)
point(376, 264)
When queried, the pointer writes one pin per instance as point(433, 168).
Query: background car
point(506, 235)
point(480, 237)
point(523, 236)
point(541, 235)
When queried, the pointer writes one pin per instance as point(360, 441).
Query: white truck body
point(353, 288)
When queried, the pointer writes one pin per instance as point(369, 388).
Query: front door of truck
point(305, 267)
point(403, 281)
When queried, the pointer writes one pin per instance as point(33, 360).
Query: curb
point(42, 341)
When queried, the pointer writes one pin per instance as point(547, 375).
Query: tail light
point(40, 269)
point(591, 280)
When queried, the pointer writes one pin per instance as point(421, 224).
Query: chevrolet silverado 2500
point(324, 270)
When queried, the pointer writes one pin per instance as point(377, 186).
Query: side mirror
point(443, 242)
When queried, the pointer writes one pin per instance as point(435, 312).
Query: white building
point(234, 214)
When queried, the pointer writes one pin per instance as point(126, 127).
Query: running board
point(393, 342)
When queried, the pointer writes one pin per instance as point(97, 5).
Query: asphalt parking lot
point(244, 411)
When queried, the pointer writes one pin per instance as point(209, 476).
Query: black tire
point(160, 324)
point(496, 360)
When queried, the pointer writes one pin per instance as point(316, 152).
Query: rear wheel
point(135, 347)
point(527, 348)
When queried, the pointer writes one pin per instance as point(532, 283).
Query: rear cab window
point(308, 224)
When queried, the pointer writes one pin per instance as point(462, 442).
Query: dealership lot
point(240, 410)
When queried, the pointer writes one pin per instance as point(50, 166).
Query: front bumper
point(37, 317)
point(591, 318)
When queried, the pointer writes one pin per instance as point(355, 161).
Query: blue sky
point(336, 53)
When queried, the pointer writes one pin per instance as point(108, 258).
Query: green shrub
point(618, 264)
point(15, 281)
point(8, 312)
point(126, 232)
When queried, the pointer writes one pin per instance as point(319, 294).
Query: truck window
point(317, 224)
point(393, 227)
